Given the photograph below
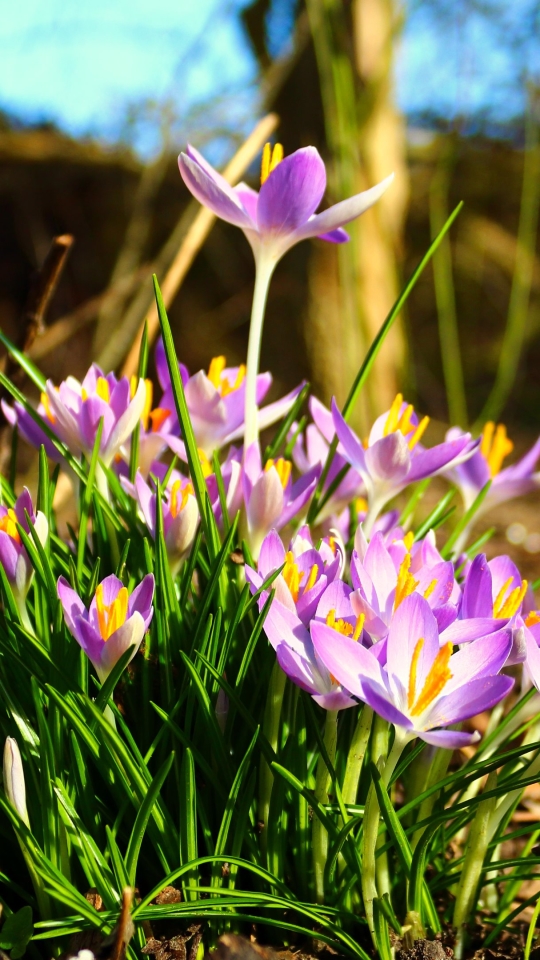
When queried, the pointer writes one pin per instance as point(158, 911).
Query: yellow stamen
point(226, 387)
point(8, 524)
point(292, 575)
point(145, 416)
point(429, 589)
point(411, 693)
point(406, 584)
point(205, 463)
point(158, 417)
point(408, 540)
point(111, 616)
point(342, 626)
point(270, 160)
point(357, 632)
point(282, 467)
point(102, 389)
point(532, 618)
point(179, 496)
point(495, 446)
point(361, 505)
point(405, 424)
point(507, 606)
point(311, 580)
point(392, 419)
point(418, 433)
point(47, 405)
point(436, 680)
point(332, 544)
point(216, 368)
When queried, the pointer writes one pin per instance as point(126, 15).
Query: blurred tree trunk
point(366, 135)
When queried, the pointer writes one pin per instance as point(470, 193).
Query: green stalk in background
point(444, 289)
point(324, 779)
point(518, 309)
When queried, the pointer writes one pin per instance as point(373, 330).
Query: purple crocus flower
point(423, 686)
point(13, 555)
point(296, 655)
point(486, 464)
point(271, 499)
point(114, 622)
point(179, 509)
point(305, 576)
point(273, 220)
point(216, 402)
point(393, 456)
point(494, 589)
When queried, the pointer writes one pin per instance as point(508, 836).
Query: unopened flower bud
point(14, 785)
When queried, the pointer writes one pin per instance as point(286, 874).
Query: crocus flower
point(14, 785)
point(495, 589)
point(423, 686)
point(296, 655)
point(114, 621)
point(216, 402)
point(393, 456)
point(273, 220)
point(487, 464)
point(13, 555)
point(271, 499)
point(73, 411)
point(305, 576)
point(179, 509)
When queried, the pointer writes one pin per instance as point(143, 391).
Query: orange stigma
point(495, 446)
point(8, 524)
point(221, 383)
point(344, 627)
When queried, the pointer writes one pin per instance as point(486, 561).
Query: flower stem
point(355, 757)
point(264, 268)
point(103, 488)
point(271, 722)
point(371, 826)
point(323, 781)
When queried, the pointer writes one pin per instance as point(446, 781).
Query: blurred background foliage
point(443, 93)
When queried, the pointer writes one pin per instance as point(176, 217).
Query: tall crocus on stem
point(273, 220)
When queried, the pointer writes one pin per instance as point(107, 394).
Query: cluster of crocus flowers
point(115, 621)
point(179, 511)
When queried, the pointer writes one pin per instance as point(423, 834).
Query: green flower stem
point(23, 612)
point(103, 489)
point(356, 754)
point(271, 723)
point(371, 818)
point(323, 782)
point(263, 273)
point(475, 853)
point(437, 771)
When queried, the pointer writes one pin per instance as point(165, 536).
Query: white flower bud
point(14, 785)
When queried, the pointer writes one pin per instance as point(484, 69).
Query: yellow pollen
point(406, 584)
point(429, 589)
point(332, 544)
point(179, 496)
point(405, 424)
point(418, 433)
point(102, 389)
point(226, 387)
point(342, 626)
point(147, 409)
point(361, 505)
point(392, 419)
point(292, 575)
point(216, 368)
point(411, 693)
point(436, 680)
point(282, 467)
point(311, 580)
point(509, 606)
point(270, 160)
point(8, 524)
point(495, 446)
point(532, 618)
point(158, 417)
point(205, 463)
point(111, 616)
point(408, 540)
point(47, 405)
point(357, 632)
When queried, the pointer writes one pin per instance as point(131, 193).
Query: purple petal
point(74, 608)
point(272, 554)
point(347, 660)
point(352, 447)
point(470, 699)
point(209, 189)
point(389, 458)
point(141, 599)
point(426, 463)
point(9, 555)
point(292, 193)
point(344, 212)
point(300, 494)
point(451, 739)
point(481, 658)
point(413, 621)
point(130, 634)
point(335, 236)
point(477, 598)
point(463, 631)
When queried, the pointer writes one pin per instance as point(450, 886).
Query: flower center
point(179, 496)
point(8, 524)
point(46, 403)
point(437, 678)
point(532, 618)
point(406, 584)
point(205, 463)
point(506, 606)
point(102, 390)
point(282, 467)
point(293, 576)
point(221, 383)
point(270, 160)
point(396, 420)
point(111, 616)
point(344, 627)
point(495, 446)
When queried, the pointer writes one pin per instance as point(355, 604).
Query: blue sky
point(81, 64)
